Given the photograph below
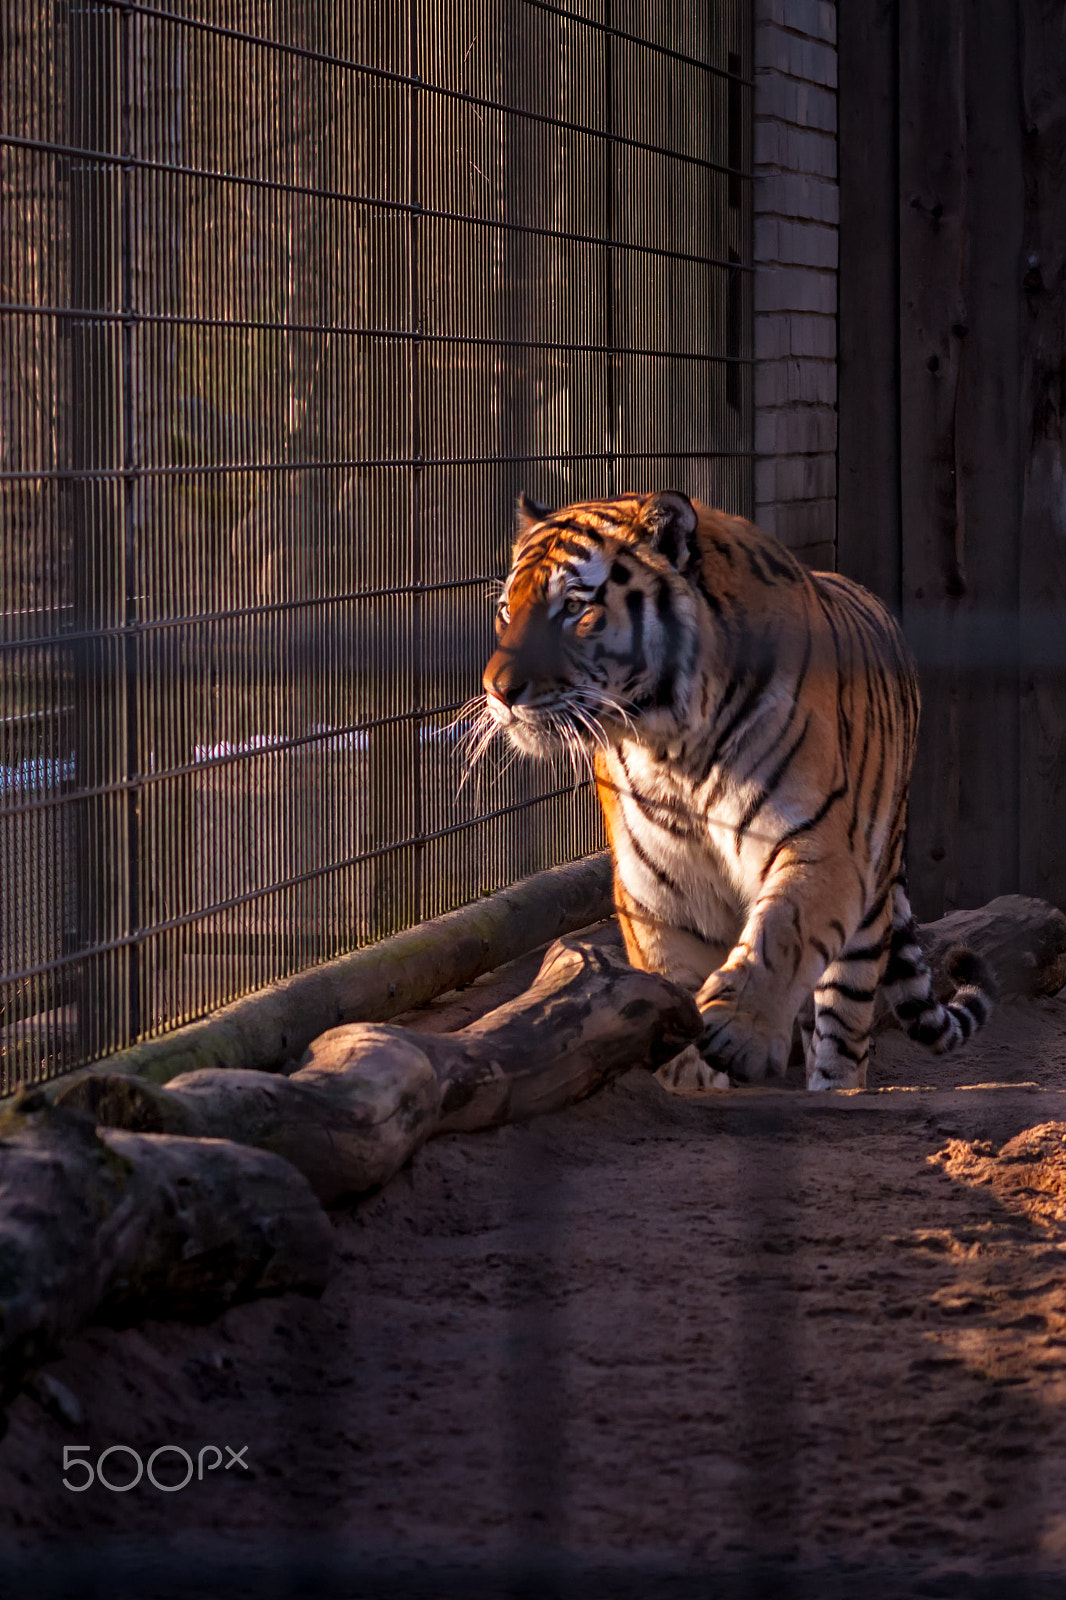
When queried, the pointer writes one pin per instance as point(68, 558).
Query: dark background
point(952, 393)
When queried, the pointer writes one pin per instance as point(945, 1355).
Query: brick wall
point(795, 274)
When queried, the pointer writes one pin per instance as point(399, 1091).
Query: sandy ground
point(751, 1343)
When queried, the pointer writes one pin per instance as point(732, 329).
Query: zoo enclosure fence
point(294, 299)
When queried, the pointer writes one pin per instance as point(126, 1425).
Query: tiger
point(750, 727)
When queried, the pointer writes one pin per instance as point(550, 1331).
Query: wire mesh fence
point(295, 300)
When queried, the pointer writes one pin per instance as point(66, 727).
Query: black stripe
point(569, 525)
point(803, 827)
point(867, 952)
point(730, 690)
point(841, 1048)
point(907, 1010)
point(635, 607)
point(782, 566)
point(928, 1032)
point(660, 813)
point(860, 996)
point(964, 1020)
point(644, 858)
point(783, 730)
point(570, 547)
point(766, 564)
point(888, 737)
point(755, 805)
point(758, 681)
point(711, 598)
point(754, 563)
point(900, 970)
point(670, 623)
point(871, 715)
point(874, 912)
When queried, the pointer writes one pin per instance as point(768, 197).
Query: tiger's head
point(597, 625)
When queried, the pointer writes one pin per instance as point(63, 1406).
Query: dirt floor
point(751, 1343)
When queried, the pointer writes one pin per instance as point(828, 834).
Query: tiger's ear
point(669, 522)
point(528, 513)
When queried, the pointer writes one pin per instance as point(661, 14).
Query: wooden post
point(868, 464)
point(982, 572)
point(988, 463)
point(1043, 420)
point(932, 310)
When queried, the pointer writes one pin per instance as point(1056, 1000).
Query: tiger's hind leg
point(910, 991)
point(838, 1048)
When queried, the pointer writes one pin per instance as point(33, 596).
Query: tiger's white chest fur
point(677, 852)
point(694, 817)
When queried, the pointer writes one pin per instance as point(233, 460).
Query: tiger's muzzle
point(527, 668)
point(525, 679)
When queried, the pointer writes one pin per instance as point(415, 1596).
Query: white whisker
point(588, 721)
point(599, 700)
point(473, 745)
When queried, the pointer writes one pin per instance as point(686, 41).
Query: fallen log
point(347, 1123)
point(274, 1026)
point(180, 1200)
point(366, 1096)
point(1022, 939)
point(102, 1225)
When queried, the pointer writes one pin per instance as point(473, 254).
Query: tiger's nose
point(503, 683)
point(510, 692)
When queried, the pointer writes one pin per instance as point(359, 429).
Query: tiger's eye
point(574, 607)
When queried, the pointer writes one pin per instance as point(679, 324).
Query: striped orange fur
point(752, 726)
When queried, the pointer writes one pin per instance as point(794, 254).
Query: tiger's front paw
point(742, 1044)
point(688, 1073)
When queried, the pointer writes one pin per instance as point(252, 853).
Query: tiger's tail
point(908, 986)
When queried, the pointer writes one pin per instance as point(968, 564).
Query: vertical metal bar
point(608, 253)
point(131, 644)
point(417, 356)
point(98, 553)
